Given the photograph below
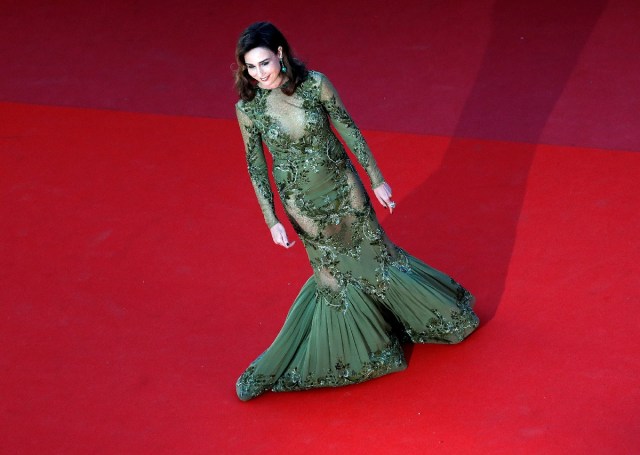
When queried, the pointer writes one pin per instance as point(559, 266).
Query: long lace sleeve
point(347, 128)
point(257, 166)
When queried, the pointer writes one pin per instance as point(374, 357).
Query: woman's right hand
point(279, 236)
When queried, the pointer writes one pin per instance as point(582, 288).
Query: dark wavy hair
point(265, 34)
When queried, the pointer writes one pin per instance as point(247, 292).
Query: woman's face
point(264, 66)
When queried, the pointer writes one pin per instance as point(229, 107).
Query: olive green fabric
point(365, 292)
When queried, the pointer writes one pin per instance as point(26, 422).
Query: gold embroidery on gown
point(343, 326)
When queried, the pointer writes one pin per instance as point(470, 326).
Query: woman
point(365, 293)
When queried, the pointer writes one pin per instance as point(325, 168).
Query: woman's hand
point(279, 236)
point(383, 193)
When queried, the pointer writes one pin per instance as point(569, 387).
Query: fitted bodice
point(297, 131)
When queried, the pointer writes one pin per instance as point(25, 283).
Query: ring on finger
point(392, 205)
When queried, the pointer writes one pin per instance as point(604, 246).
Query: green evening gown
point(365, 294)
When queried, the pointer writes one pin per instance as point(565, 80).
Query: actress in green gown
point(365, 294)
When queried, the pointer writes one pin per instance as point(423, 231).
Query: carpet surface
point(137, 279)
point(136, 287)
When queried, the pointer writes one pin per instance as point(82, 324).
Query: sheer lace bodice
point(319, 188)
point(296, 131)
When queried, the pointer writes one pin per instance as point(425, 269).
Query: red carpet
point(136, 287)
point(137, 280)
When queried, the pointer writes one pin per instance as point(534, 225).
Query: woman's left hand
point(383, 193)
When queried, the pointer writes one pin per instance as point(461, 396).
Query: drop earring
point(283, 68)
